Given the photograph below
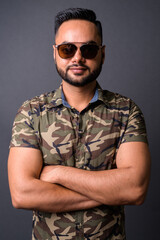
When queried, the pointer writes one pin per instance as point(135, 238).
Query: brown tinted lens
point(89, 51)
point(66, 50)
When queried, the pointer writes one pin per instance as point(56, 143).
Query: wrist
point(60, 173)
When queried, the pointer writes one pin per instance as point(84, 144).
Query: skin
point(60, 188)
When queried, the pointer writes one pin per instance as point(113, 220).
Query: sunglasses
point(68, 50)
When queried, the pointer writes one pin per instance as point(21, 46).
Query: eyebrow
point(89, 42)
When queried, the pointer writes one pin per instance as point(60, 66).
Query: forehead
point(77, 31)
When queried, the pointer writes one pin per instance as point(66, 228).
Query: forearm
point(43, 196)
point(125, 185)
point(110, 187)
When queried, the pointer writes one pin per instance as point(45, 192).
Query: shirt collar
point(58, 97)
point(66, 104)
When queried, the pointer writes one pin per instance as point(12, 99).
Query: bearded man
point(78, 154)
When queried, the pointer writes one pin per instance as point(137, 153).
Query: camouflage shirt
point(88, 140)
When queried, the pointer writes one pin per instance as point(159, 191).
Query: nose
point(78, 56)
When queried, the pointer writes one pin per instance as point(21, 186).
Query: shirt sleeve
point(23, 132)
point(136, 129)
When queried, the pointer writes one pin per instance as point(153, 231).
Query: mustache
point(77, 65)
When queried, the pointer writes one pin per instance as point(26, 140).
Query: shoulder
point(41, 100)
point(116, 100)
point(117, 103)
point(38, 104)
point(126, 111)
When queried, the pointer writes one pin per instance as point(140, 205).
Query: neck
point(79, 97)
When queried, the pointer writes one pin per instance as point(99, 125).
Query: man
point(78, 154)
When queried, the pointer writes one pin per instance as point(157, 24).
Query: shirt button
point(80, 132)
point(79, 225)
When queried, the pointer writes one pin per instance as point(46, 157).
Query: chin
point(81, 83)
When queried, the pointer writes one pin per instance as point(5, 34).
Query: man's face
point(77, 70)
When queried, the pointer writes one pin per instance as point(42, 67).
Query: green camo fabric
point(88, 140)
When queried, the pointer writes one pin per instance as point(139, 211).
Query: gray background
point(132, 37)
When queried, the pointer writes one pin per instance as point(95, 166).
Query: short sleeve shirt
point(87, 140)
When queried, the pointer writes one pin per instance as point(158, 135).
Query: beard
point(92, 76)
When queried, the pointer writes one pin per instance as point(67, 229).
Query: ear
point(54, 52)
point(103, 53)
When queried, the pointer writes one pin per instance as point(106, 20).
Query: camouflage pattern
point(88, 140)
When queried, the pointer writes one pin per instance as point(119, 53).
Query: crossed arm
point(30, 192)
point(61, 188)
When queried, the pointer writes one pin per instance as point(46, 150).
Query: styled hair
point(78, 13)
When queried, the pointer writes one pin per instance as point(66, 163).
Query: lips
point(78, 70)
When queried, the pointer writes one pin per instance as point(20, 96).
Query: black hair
point(77, 13)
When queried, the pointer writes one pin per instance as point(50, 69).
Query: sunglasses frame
point(82, 44)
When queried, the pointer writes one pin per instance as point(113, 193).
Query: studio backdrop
point(131, 34)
